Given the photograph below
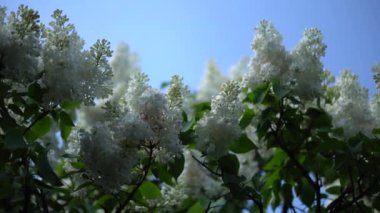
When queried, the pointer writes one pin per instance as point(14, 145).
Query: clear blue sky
point(178, 37)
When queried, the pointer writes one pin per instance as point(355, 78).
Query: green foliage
point(243, 145)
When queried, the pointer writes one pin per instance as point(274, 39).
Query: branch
point(318, 194)
point(206, 167)
point(258, 203)
point(43, 200)
point(338, 201)
point(340, 206)
point(27, 189)
point(146, 171)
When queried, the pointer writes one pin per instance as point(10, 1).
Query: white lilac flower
point(196, 181)
point(172, 198)
point(219, 128)
point(306, 66)
point(376, 76)
point(238, 70)
point(375, 109)
point(136, 87)
point(270, 61)
point(130, 129)
point(351, 109)
point(108, 164)
point(124, 64)
point(176, 92)
point(143, 117)
point(20, 45)
point(70, 72)
point(211, 82)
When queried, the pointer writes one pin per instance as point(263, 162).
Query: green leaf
point(278, 90)
point(176, 167)
point(200, 109)
point(161, 172)
point(196, 208)
point(150, 190)
point(246, 118)
point(106, 202)
point(70, 105)
point(65, 131)
point(243, 145)
point(376, 202)
point(164, 84)
point(376, 131)
point(43, 166)
point(305, 192)
point(318, 118)
point(66, 119)
point(30, 110)
point(77, 164)
point(35, 91)
point(39, 129)
point(6, 188)
point(335, 190)
point(14, 140)
point(15, 109)
point(229, 164)
point(259, 93)
point(277, 160)
point(287, 194)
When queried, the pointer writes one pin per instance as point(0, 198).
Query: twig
point(258, 203)
point(27, 190)
point(146, 171)
point(43, 200)
point(206, 167)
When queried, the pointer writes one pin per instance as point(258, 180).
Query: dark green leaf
point(70, 105)
point(106, 202)
point(229, 164)
point(35, 91)
point(83, 185)
point(376, 131)
point(376, 202)
point(161, 172)
point(150, 190)
point(200, 109)
point(66, 119)
point(6, 188)
point(243, 145)
point(278, 90)
point(65, 131)
point(39, 129)
point(246, 118)
point(196, 208)
point(31, 109)
point(335, 190)
point(287, 194)
point(43, 166)
point(14, 139)
point(15, 109)
point(259, 93)
point(318, 118)
point(277, 160)
point(176, 167)
point(305, 192)
point(164, 84)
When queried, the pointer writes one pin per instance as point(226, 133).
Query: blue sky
point(178, 37)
